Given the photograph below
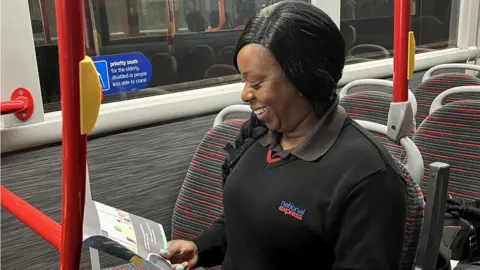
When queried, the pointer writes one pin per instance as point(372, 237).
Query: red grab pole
point(45, 25)
point(8, 107)
point(400, 50)
point(21, 104)
point(71, 50)
point(31, 217)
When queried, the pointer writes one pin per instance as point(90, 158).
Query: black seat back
point(164, 70)
point(220, 70)
point(200, 58)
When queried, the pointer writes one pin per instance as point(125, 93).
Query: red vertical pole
point(132, 19)
point(400, 50)
point(45, 25)
point(171, 26)
point(71, 50)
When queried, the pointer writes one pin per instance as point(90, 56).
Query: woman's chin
point(269, 120)
point(272, 125)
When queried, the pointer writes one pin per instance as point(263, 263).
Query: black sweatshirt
point(345, 210)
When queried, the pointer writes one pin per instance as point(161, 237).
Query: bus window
point(44, 25)
point(367, 27)
point(189, 43)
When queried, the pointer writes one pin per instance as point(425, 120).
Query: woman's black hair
point(310, 49)
point(305, 42)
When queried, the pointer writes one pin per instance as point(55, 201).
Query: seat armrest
point(431, 236)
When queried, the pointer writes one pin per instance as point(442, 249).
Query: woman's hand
point(181, 253)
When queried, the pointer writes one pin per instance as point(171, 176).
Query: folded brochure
point(124, 235)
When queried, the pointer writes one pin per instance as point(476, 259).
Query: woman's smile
point(261, 112)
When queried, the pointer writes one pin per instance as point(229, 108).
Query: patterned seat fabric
point(431, 88)
point(373, 106)
point(200, 200)
point(451, 135)
point(414, 221)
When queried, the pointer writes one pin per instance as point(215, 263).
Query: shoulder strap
point(250, 132)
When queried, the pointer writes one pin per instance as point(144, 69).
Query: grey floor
point(139, 171)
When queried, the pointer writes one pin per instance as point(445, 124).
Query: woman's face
point(271, 95)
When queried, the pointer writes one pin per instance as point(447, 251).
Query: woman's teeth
point(260, 111)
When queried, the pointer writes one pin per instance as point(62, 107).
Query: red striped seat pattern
point(451, 135)
point(200, 200)
point(431, 88)
point(414, 222)
point(373, 106)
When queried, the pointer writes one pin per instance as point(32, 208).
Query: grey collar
point(318, 141)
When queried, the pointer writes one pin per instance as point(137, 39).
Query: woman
point(311, 188)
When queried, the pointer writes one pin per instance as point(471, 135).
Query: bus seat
point(214, 20)
point(196, 22)
point(432, 86)
point(373, 106)
point(450, 134)
point(220, 70)
point(201, 57)
point(225, 55)
point(420, 24)
point(200, 200)
point(372, 51)
point(412, 173)
point(455, 94)
point(164, 70)
point(350, 60)
point(349, 33)
point(422, 233)
point(414, 221)
point(377, 85)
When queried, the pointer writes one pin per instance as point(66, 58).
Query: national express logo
point(289, 209)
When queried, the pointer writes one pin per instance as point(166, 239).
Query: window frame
point(478, 40)
point(468, 24)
